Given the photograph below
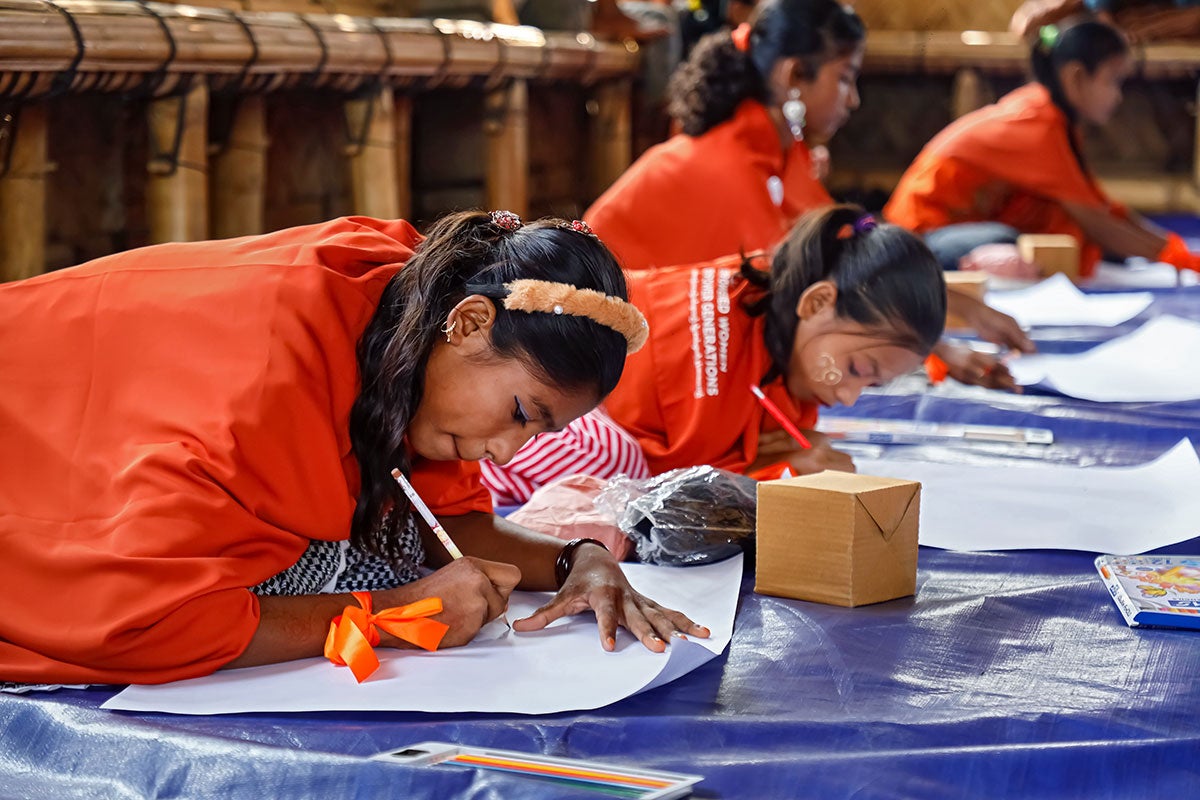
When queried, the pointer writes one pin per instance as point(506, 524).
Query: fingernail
point(611, 642)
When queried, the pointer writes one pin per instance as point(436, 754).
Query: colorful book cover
point(1158, 591)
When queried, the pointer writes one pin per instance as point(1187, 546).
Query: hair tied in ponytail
point(741, 37)
point(506, 220)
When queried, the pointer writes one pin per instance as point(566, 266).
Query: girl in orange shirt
point(755, 108)
point(840, 305)
point(1017, 166)
point(194, 431)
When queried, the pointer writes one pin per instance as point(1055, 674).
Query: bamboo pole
point(239, 173)
point(177, 198)
point(610, 142)
point(23, 198)
point(373, 175)
point(970, 92)
point(404, 149)
point(506, 128)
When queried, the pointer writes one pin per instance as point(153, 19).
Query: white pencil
point(427, 515)
point(434, 525)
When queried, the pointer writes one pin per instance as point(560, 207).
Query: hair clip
point(741, 37)
point(865, 223)
point(1048, 37)
point(506, 219)
point(579, 226)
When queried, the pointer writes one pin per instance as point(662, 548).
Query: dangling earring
point(829, 374)
point(448, 329)
point(794, 111)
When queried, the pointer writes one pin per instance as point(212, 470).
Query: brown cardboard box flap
point(886, 509)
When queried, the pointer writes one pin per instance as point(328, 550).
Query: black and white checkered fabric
point(321, 565)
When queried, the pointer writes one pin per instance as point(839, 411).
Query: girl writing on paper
point(840, 305)
point(199, 439)
point(1017, 166)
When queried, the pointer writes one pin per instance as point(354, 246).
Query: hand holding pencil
point(815, 453)
point(440, 532)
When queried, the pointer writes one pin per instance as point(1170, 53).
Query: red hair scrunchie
point(741, 37)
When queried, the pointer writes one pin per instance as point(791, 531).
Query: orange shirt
point(695, 198)
point(175, 423)
point(686, 394)
point(1009, 162)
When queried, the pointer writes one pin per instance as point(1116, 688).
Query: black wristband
point(566, 559)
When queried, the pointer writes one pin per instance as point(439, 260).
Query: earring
point(794, 111)
point(448, 329)
point(829, 375)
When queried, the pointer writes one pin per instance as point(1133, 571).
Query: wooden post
point(971, 92)
point(177, 191)
point(611, 137)
point(506, 126)
point(239, 173)
point(23, 196)
point(372, 153)
point(404, 150)
point(1195, 204)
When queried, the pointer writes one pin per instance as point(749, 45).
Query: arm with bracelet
point(584, 573)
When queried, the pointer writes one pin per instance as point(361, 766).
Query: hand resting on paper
point(596, 582)
point(976, 369)
point(991, 325)
point(778, 446)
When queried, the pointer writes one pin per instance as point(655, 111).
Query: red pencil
point(781, 418)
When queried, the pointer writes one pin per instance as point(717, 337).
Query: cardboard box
point(838, 538)
point(970, 282)
point(1052, 252)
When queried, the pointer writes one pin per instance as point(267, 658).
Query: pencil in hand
point(781, 418)
point(433, 524)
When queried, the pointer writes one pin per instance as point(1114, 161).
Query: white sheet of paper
point(1155, 363)
point(1057, 301)
point(1121, 510)
point(561, 668)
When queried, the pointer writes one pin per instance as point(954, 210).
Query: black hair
point(1090, 43)
point(885, 276)
point(707, 88)
point(572, 352)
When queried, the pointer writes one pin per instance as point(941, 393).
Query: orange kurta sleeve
point(176, 428)
point(451, 488)
point(686, 395)
point(693, 199)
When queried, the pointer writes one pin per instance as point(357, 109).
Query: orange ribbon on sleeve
point(354, 634)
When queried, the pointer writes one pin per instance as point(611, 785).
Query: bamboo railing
point(177, 57)
point(125, 46)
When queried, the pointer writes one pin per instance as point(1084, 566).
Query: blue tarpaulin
point(1009, 674)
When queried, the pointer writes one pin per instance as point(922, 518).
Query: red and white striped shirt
point(592, 445)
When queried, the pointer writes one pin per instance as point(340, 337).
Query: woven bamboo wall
point(939, 15)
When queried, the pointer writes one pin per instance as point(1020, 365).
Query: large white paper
point(1155, 363)
point(1056, 301)
point(1121, 510)
point(561, 668)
